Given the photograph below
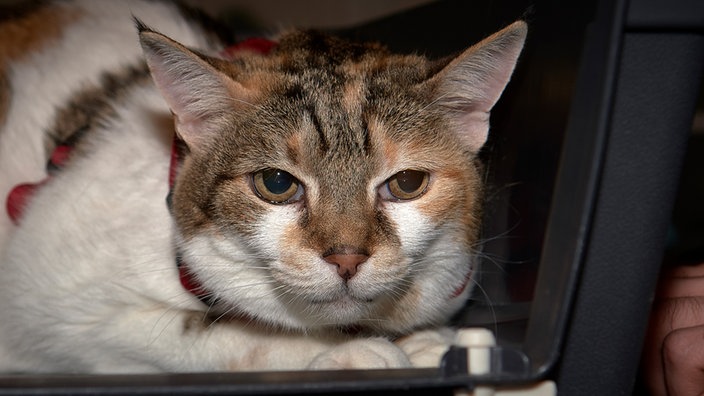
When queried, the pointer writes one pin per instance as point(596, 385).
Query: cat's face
point(330, 184)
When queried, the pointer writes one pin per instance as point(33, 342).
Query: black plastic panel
point(656, 91)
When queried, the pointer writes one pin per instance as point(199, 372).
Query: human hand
point(673, 355)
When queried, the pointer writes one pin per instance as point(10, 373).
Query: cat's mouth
point(345, 310)
point(352, 295)
point(343, 296)
point(341, 300)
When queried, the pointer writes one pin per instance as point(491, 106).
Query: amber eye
point(277, 186)
point(408, 184)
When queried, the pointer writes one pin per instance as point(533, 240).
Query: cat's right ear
point(198, 94)
point(471, 84)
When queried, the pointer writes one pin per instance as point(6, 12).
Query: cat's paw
point(368, 353)
point(426, 348)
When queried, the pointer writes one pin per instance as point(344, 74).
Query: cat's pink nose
point(346, 263)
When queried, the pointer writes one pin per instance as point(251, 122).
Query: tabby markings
point(24, 35)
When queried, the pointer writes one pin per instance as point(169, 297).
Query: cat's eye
point(277, 186)
point(407, 184)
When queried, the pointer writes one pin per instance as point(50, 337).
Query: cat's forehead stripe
point(318, 128)
point(338, 127)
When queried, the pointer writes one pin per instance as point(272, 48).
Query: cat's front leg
point(420, 349)
point(363, 353)
point(189, 342)
point(427, 347)
point(266, 351)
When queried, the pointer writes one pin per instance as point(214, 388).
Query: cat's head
point(329, 183)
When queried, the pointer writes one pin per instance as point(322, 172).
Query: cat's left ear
point(200, 96)
point(471, 84)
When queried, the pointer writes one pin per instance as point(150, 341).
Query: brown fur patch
point(196, 321)
point(402, 311)
point(5, 93)
point(295, 256)
point(27, 34)
point(389, 150)
point(254, 358)
point(352, 96)
point(293, 148)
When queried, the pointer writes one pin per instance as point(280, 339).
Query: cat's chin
point(344, 310)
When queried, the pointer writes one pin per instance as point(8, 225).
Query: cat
point(301, 203)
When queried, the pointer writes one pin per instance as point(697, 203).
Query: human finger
point(683, 361)
point(667, 316)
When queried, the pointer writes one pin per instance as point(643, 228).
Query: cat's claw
point(370, 353)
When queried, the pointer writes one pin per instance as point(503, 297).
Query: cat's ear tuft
point(141, 26)
point(199, 95)
point(471, 84)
